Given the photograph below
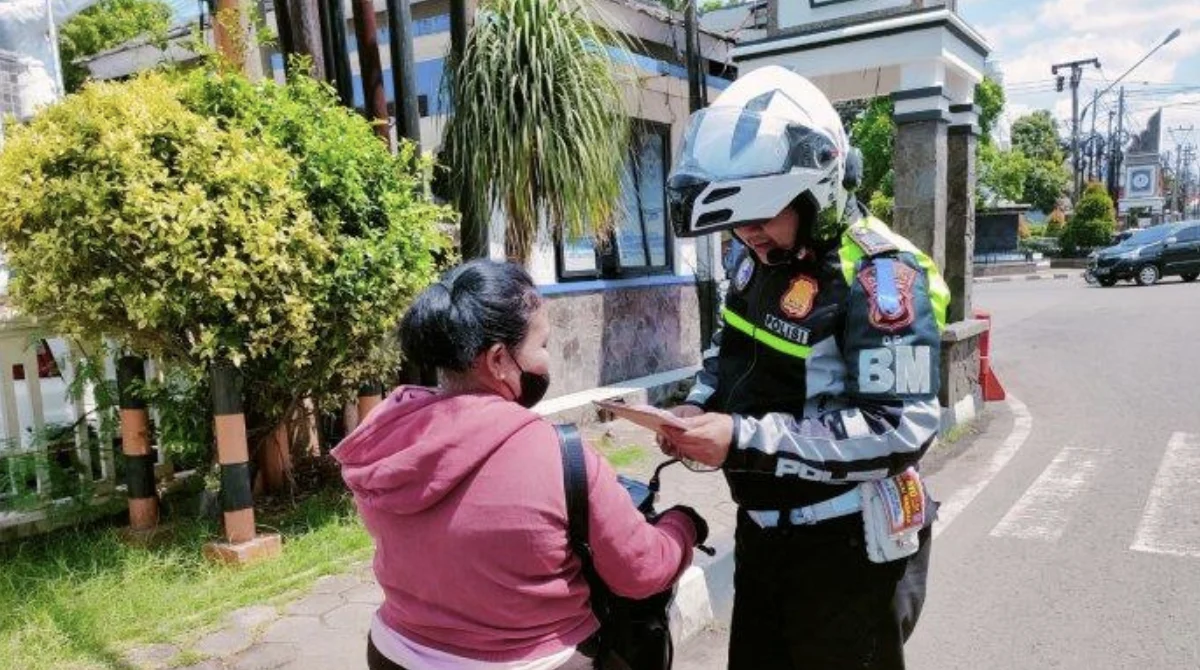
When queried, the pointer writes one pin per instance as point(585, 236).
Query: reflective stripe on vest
point(779, 344)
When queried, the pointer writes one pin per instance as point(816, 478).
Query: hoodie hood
point(420, 444)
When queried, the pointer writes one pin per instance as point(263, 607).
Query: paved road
point(1074, 523)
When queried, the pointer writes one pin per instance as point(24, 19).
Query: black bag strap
point(575, 485)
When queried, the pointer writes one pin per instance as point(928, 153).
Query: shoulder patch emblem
point(889, 294)
point(798, 300)
point(871, 241)
point(745, 271)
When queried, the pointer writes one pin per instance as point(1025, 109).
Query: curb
point(704, 595)
point(1039, 277)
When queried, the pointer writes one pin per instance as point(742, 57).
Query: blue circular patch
point(745, 271)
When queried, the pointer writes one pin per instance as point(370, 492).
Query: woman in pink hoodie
point(461, 488)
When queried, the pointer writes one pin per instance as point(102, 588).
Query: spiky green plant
point(539, 126)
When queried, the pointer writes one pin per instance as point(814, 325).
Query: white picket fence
point(33, 397)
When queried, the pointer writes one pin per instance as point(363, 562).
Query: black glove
point(698, 521)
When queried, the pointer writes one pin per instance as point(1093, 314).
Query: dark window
point(1189, 234)
point(641, 239)
point(423, 105)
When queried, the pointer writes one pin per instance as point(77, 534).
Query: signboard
point(1143, 182)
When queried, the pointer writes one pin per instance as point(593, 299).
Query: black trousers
point(808, 598)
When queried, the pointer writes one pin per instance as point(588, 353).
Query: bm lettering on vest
point(900, 369)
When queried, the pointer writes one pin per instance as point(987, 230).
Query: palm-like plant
point(539, 126)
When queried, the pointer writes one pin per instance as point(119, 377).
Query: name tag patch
point(787, 330)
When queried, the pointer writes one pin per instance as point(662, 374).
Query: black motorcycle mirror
point(645, 495)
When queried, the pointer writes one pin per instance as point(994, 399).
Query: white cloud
point(1118, 32)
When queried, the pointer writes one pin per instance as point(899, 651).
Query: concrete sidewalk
point(327, 627)
point(1036, 276)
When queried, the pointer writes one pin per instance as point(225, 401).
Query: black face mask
point(533, 386)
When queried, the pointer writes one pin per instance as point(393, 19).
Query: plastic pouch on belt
point(894, 512)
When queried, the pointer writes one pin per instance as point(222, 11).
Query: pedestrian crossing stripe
point(1170, 519)
point(1169, 524)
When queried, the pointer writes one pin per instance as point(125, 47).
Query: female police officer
point(820, 394)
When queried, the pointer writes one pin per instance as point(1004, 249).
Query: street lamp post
point(1169, 38)
point(1115, 157)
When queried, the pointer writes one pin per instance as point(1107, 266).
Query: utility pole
point(459, 19)
point(227, 22)
point(1076, 76)
point(1092, 137)
point(1177, 192)
point(1181, 174)
point(1108, 147)
point(473, 229)
point(337, 55)
point(404, 74)
point(300, 32)
point(1114, 163)
point(695, 76)
point(1189, 153)
point(370, 67)
point(706, 258)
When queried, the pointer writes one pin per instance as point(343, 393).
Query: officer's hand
point(706, 439)
point(684, 411)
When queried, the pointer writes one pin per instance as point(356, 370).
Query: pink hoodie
point(463, 495)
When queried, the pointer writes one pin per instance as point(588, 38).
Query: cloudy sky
point(1031, 35)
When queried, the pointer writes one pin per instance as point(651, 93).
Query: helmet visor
point(728, 143)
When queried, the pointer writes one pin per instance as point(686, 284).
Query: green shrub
point(1093, 222)
point(1056, 223)
point(204, 217)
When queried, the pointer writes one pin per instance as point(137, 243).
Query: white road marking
point(1043, 510)
point(1171, 520)
point(960, 499)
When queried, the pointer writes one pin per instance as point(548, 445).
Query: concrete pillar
point(242, 544)
point(136, 445)
point(960, 209)
point(920, 163)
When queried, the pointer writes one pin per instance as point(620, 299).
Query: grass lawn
point(77, 599)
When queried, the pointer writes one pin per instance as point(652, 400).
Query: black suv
point(1151, 254)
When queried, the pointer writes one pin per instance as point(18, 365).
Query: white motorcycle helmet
point(769, 139)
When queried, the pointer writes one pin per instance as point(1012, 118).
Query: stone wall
point(961, 395)
point(607, 336)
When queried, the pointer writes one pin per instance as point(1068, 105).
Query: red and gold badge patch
point(798, 300)
point(903, 316)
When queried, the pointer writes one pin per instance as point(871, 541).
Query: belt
point(842, 505)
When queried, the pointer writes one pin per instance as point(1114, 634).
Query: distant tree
point(874, 133)
point(1001, 175)
point(1036, 135)
point(989, 96)
point(1045, 183)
